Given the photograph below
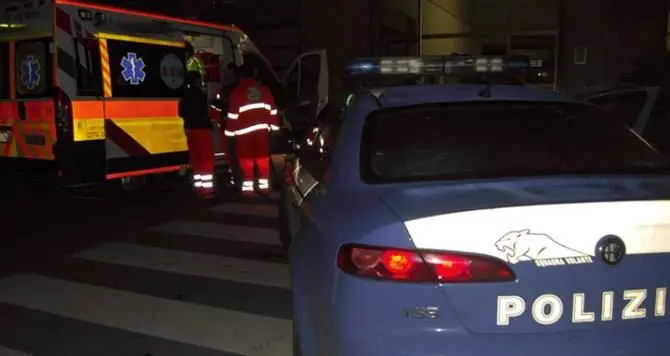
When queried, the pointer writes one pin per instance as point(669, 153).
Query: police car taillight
point(421, 266)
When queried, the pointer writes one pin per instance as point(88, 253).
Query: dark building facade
point(588, 43)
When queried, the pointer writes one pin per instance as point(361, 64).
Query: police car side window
point(4, 71)
point(146, 70)
point(33, 68)
point(624, 107)
point(657, 131)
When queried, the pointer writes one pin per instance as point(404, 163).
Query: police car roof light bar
point(434, 65)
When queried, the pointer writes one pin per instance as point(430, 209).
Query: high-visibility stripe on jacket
point(251, 109)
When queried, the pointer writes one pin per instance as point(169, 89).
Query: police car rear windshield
point(500, 139)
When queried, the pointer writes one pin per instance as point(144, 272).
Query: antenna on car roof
point(486, 92)
point(377, 94)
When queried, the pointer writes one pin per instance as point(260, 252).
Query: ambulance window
point(89, 70)
point(142, 70)
point(33, 63)
point(4, 70)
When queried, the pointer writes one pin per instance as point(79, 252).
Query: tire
point(132, 189)
point(284, 229)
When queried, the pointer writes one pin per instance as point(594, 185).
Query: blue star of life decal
point(30, 72)
point(133, 69)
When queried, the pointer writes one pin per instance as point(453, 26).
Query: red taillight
point(63, 113)
point(421, 266)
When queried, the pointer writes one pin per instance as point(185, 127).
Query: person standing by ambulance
point(194, 64)
point(231, 79)
point(252, 114)
point(193, 110)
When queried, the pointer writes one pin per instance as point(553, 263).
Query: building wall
point(465, 25)
point(445, 17)
point(614, 32)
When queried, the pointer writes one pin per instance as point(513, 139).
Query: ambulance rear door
point(27, 128)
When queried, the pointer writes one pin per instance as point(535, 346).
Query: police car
point(477, 219)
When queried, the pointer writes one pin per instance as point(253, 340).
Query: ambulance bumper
point(648, 340)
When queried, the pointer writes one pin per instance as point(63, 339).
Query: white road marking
point(214, 230)
point(219, 329)
point(268, 211)
point(191, 263)
point(9, 352)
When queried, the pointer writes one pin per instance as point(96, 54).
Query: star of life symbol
point(30, 72)
point(133, 69)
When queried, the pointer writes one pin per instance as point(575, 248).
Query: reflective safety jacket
point(194, 64)
point(251, 109)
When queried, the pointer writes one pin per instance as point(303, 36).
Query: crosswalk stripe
point(219, 329)
point(9, 352)
point(190, 263)
point(214, 230)
point(264, 210)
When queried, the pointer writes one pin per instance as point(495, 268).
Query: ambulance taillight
point(63, 114)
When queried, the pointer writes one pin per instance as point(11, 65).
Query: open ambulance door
point(632, 106)
point(306, 83)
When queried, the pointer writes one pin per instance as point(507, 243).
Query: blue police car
point(476, 219)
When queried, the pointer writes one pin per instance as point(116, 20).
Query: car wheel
point(131, 189)
point(296, 344)
point(284, 229)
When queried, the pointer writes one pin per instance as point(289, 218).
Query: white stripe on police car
point(548, 309)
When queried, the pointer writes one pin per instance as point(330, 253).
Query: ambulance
point(89, 93)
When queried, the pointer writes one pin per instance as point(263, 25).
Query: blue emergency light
point(435, 65)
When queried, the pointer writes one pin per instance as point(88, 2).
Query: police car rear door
point(307, 87)
point(632, 106)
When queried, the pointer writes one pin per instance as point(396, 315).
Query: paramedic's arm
point(233, 113)
point(274, 118)
point(234, 103)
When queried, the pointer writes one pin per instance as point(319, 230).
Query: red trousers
point(253, 149)
point(201, 154)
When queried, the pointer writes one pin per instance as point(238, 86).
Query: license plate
point(5, 136)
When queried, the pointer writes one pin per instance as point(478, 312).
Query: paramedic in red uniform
point(251, 115)
point(193, 110)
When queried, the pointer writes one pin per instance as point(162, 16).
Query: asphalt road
point(173, 275)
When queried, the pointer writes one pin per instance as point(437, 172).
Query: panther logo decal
point(524, 245)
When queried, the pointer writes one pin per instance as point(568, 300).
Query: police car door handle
point(305, 102)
